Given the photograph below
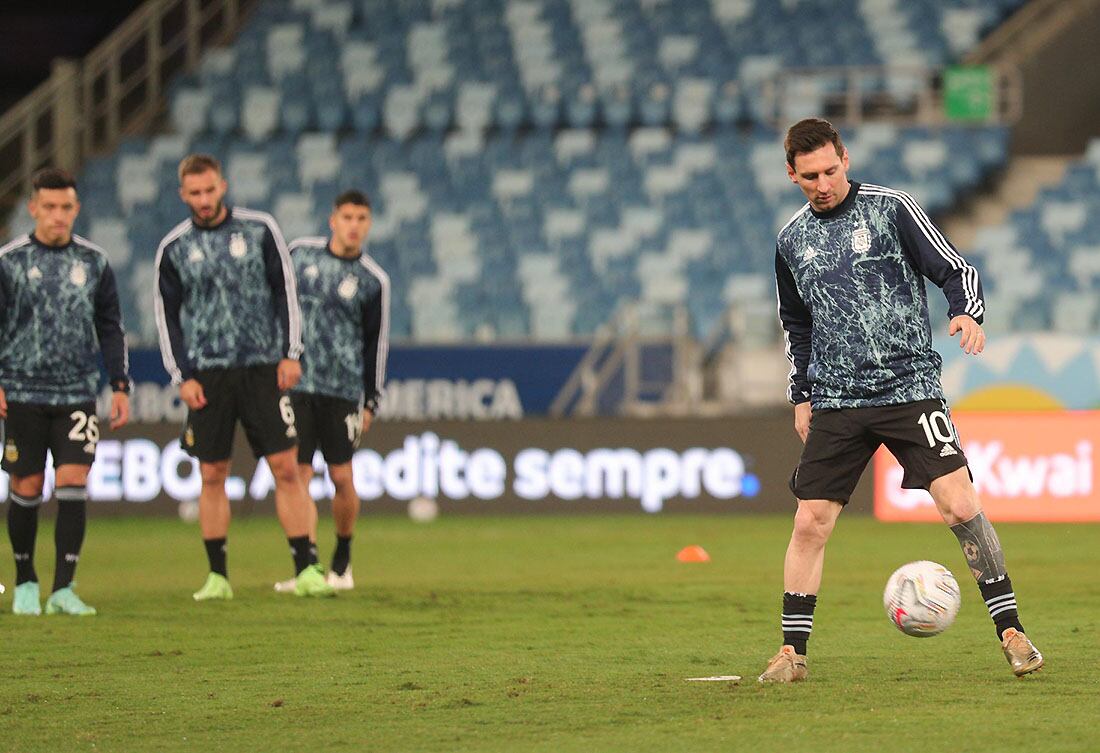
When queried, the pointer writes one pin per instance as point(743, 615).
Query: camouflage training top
point(225, 296)
point(345, 319)
point(852, 299)
point(58, 309)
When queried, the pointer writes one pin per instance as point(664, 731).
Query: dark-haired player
point(345, 300)
point(850, 269)
point(58, 308)
point(230, 335)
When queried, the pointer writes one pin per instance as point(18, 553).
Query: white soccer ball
point(423, 509)
point(189, 510)
point(922, 599)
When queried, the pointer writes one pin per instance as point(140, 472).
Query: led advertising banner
point(528, 466)
point(424, 383)
point(1026, 466)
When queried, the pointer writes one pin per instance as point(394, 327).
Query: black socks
point(72, 516)
point(215, 552)
point(1001, 602)
point(22, 532)
point(341, 558)
point(302, 551)
point(798, 620)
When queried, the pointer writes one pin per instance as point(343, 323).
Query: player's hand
point(192, 394)
point(367, 418)
point(972, 339)
point(289, 372)
point(3, 404)
point(802, 414)
point(120, 409)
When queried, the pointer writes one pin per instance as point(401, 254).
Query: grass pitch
point(543, 634)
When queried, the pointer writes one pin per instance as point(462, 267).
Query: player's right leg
point(26, 437)
point(214, 515)
point(208, 436)
point(835, 454)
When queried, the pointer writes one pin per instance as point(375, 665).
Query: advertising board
point(1026, 466)
point(528, 466)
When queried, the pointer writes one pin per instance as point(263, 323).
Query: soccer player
point(345, 300)
point(230, 335)
point(850, 268)
point(58, 307)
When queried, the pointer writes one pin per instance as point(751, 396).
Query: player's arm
point(935, 258)
point(797, 324)
point(4, 296)
point(167, 302)
point(376, 346)
point(284, 291)
point(112, 342)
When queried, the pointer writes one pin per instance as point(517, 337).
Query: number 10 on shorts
point(937, 428)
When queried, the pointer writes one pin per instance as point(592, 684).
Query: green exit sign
point(968, 92)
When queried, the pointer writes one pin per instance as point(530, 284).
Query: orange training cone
point(693, 554)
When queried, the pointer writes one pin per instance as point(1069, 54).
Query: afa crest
point(189, 437)
point(861, 240)
point(11, 452)
point(237, 246)
point(78, 275)
point(348, 288)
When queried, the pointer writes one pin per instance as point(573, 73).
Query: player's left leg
point(74, 435)
point(292, 506)
point(958, 504)
point(925, 442)
point(345, 510)
point(72, 505)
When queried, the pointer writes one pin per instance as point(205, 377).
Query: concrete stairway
point(1016, 188)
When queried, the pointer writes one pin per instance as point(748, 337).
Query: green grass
point(544, 634)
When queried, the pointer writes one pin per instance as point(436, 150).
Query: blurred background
point(577, 202)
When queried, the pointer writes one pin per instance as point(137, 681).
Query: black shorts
point(249, 394)
point(69, 432)
point(331, 423)
point(842, 441)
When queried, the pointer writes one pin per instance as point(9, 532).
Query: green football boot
point(65, 601)
point(216, 587)
point(25, 600)
point(311, 582)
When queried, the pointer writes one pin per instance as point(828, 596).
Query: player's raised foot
point(65, 601)
point(286, 586)
point(26, 599)
point(311, 582)
point(786, 666)
point(216, 587)
point(1021, 653)
point(340, 582)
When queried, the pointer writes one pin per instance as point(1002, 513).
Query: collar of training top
point(840, 208)
point(329, 247)
point(42, 244)
point(228, 217)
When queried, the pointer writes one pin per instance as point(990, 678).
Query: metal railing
point(850, 95)
point(611, 378)
point(86, 106)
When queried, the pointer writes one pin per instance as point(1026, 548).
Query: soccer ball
point(922, 599)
